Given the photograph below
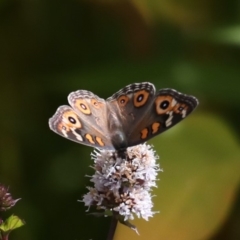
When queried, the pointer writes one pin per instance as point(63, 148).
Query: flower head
point(6, 200)
point(122, 184)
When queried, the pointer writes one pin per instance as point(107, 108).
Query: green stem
point(112, 228)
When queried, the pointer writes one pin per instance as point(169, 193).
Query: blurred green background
point(50, 48)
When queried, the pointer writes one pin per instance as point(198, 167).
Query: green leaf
point(11, 223)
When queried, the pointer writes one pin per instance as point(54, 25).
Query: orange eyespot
point(122, 101)
point(63, 127)
point(140, 98)
point(164, 104)
point(181, 109)
point(96, 104)
point(70, 119)
point(82, 106)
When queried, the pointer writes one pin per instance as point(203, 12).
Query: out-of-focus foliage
point(50, 48)
point(194, 193)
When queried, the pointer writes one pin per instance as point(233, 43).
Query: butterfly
point(131, 116)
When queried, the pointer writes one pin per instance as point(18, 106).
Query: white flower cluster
point(123, 184)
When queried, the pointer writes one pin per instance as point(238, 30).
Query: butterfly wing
point(129, 117)
point(168, 108)
point(83, 122)
point(129, 106)
point(157, 111)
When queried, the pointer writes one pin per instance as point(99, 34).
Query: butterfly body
point(129, 117)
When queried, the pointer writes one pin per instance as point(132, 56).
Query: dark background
point(50, 48)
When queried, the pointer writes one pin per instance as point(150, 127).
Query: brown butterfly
point(129, 117)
